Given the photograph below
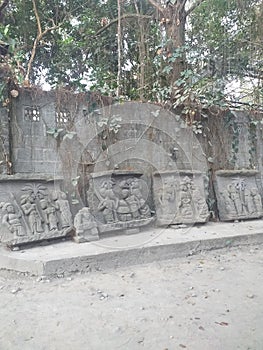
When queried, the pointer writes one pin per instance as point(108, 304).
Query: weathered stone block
point(120, 200)
point(179, 197)
point(32, 209)
point(238, 195)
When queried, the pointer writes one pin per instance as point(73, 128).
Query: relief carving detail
point(36, 214)
point(179, 199)
point(240, 200)
point(122, 201)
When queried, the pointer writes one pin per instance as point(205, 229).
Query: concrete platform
point(152, 245)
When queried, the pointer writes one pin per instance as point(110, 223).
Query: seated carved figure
point(123, 210)
point(85, 225)
point(12, 220)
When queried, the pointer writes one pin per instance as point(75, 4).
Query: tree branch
point(39, 36)
point(37, 18)
point(193, 7)
point(128, 15)
point(251, 105)
point(156, 5)
point(3, 5)
point(183, 3)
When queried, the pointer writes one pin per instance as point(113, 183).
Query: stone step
point(155, 244)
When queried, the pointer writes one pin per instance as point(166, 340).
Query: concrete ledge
point(153, 245)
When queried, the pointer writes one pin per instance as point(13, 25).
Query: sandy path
point(212, 301)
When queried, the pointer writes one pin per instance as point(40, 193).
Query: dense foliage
point(191, 53)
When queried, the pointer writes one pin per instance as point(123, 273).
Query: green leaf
point(6, 30)
point(69, 135)
point(167, 69)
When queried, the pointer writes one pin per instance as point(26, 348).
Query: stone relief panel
point(120, 200)
point(237, 195)
point(33, 213)
point(180, 197)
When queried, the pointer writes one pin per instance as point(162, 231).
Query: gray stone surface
point(243, 155)
point(85, 226)
point(5, 157)
point(238, 196)
point(134, 139)
point(32, 210)
point(112, 252)
point(120, 200)
point(148, 138)
point(33, 151)
point(180, 197)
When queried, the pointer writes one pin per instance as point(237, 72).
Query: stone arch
point(144, 144)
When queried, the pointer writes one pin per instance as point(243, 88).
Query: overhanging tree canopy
point(177, 52)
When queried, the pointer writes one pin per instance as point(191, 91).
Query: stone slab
point(180, 197)
point(32, 210)
point(113, 252)
point(120, 200)
point(238, 196)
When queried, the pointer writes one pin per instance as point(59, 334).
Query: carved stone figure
point(135, 190)
point(123, 209)
point(62, 204)
point(248, 205)
point(199, 202)
point(49, 211)
point(167, 197)
point(185, 203)
point(12, 220)
point(256, 198)
point(234, 196)
point(228, 204)
point(134, 206)
point(85, 225)
point(109, 203)
point(30, 209)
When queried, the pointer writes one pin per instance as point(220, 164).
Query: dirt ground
point(213, 301)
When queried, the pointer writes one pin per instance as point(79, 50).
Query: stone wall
point(157, 168)
point(32, 115)
point(5, 158)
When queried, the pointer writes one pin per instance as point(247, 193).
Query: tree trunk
point(142, 54)
point(119, 34)
point(175, 19)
